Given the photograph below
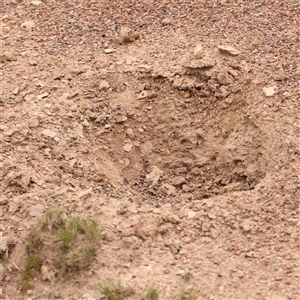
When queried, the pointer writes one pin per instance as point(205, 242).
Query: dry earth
point(188, 156)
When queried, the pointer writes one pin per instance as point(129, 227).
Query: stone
point(85, 194)
point(6, 56)
point(127, 147)
point(103, 85)
point(35, 2)
point(191, 214)
point(154, 175)
point(269, 91)
point(28, 25)
point(198, 51)
point(178, 181)
point(49, 133)
point(42, 96)
point(168, 189)
point(143, 95)
point(129, 133)
point(128, 35)
point(228, 50)
point(36, 210)
point(166, 21)
point(108, 51)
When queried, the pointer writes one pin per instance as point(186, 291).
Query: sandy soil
point(175, 123)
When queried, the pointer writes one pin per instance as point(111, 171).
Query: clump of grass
point(92, 229)
point(53, 219)
point(68, 232)
point(152, 294)
point(33, 262)
point(112, 291)
point(34, 240)
point(191, 294)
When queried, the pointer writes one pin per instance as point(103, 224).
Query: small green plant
point(68, 232)
point(53, 219)
point(34, 240)
point(92, 230)
point(89, 253)
point(112, 291)
point(33, 262)
point(191, 294)
point(152, 294)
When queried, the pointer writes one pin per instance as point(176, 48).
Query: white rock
point(28, 25)
point(228, 50)
point(198, 51)
point(127, 147)
point(269, 91)
point(103, 85)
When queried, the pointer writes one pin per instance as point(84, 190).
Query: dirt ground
point(175, 123)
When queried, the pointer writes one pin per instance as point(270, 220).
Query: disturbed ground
point(187, 153)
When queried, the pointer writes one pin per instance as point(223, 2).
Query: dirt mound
point(185, 148)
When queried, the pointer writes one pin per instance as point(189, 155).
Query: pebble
point(228, 50)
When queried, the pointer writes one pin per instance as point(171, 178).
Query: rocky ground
point(174, 123)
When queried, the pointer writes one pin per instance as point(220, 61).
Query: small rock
point(178, 181)
point(85, 194)
point(33, 63)
point(129, 133)
point(36, 210)
point(143, 95)
point(103, 85)
point(154, 175)
point(166, 21)
point(168, 189)
point(4, 243)
point(127, 147)
point(121, 119)
point(128, 35)
point(4, 57)
point(212, 216)
point(18, 256)
point(228, 50)
point(29, 97)
point(49, 133)
point(42, 96)
point(28, 25)
point(108, 51)
point(269, 91)
point(191, 214)
point(36, 2)
point(198, 51)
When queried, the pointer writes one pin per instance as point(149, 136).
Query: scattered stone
point(269, 91)
point(129, 133)
point(127, 147)
point(103, 85)
point(154, 175)
point(48, 273)
point(36, 210)
point(28, 25)
point(191, 214)
point(198, 51)
point(168, 189)
point(178, 181)
point(42, 96)
point(49, 133)
point(36, 2)
point(108, 51)
point(33, 63)
point(29, 97)
point(228, 50)
point(6, 56)
point(166, 21)
point(128, 35)
point(18, 256)
point(143, 95)
point(85, 194)
point(121, 119)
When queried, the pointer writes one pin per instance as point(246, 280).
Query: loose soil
point(189, 157)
